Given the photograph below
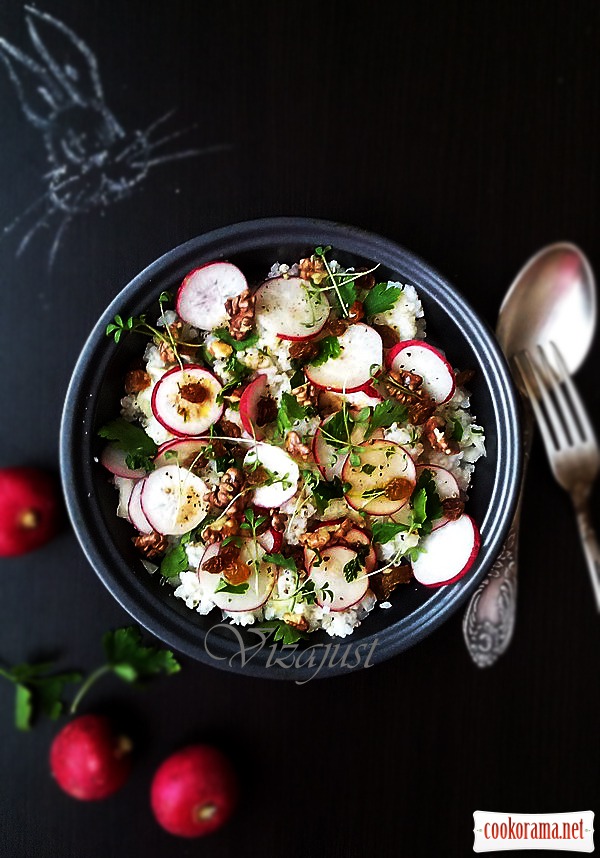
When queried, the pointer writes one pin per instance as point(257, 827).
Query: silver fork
point(571, 445)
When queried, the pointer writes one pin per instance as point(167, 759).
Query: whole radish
point(194, 791)
point(88, 759)
point(29, 509)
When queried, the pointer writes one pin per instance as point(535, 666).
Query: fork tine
point(586, 430)
point(564, 411)
point(525, 367)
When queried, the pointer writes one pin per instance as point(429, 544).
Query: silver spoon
point(552, 299)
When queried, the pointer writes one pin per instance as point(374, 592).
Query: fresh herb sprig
point(139, 447)
point(381, 298)
point(38, 691)
point(342, 283)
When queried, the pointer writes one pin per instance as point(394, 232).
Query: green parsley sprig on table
point(38, 691)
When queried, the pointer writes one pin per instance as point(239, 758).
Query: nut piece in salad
point(294, 452)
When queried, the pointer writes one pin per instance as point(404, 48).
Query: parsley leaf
point(139, 447)
point(381, 298)
point(282, 632)
point(174, 562)
point(280, 560)
point(385, 413)
point(237, 589)
point(347, 291)
point(426, 503)
point(37, 691)
point(384, 531)
point(238, 345)
point(289, 411)
point(325, 491)
point(457, 429)
point(329, 347)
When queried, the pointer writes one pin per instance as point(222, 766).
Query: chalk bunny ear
point(66, 57)
point(39, 95)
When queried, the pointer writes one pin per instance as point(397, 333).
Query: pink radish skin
point(271, 540)
point(283, 308)
point(331, 572)
point(361, 348)
point(166, 401)
point(449, 553)
point(423, 359)
point(445, 484)
point(113, 459)
point(249, 400)
point(203, 292)
point(135, 511)
point(181, 451)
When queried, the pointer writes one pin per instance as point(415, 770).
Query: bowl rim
point(130, 592)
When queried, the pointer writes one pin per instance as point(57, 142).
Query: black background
point(469, 133)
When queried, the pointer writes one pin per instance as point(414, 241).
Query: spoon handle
point(489, 619)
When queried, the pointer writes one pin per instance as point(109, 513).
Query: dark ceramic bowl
point(93, 399)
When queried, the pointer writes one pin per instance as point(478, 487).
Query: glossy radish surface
point(287, 307)
point(448, 553)
point(259, 583)
point(271, 540)
point(203, 292)
point(185, 452)
point(383, 480)
point(419, 357)
point(30, 509)
point(249, 405)
point(135, 511)
point(113, 459)
point(194, 791)
point(88, 759)
point(328, 570)
point(282, 472)
point(185, 401)
point(172, 500)
point(361, 349)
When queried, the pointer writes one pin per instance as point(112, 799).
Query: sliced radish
point(125, 487)
point(185, 452)
point(271, 540)
point(448, 553)
point(173, 405)
point(285, 306)
point(367, 396)
point(135, 511)
point(355, 536)
point(260, 583)
point(328, 570)
point(113, 459)
point(361, 349)
point(423, 359)
point(327, 456)
point(249, 403)
point(172, 500)
point(203, 292)
point(445, 484)
point(384, 479)
point(280, 467)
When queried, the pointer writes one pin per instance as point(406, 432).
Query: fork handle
point(591, 548)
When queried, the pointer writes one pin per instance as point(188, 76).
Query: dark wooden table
point(466, 131)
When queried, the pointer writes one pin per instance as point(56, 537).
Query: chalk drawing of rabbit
point(93, 161)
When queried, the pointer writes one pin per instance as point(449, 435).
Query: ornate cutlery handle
point(489, 619)
point(589, 542)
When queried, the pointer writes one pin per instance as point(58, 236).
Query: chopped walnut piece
point(220, 529)
point(151, 544)
point(136, 380)
point(241, 314)
point(278, 520)
point(227, 427)
point(436, 435)
point(266, 410)
point(295, 447)
point(306, 394)
point(219, 349)
point(408, 379)
point(304, 350)
point(166, 352)
point(312, 268)
point(453, 508)
point(315, 539)
point(230, 484)
point(419, 404)
point(295, 621)
point(389, 337)
point(384, 583)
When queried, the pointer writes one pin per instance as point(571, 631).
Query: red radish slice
point(260, 583)
point(328, 457)
point(271, 540)
point(280, 467)
point(448, 553)
point(285, 306)
point(357, 536)
point(361, 349)
point(173, 405)
point(113, 460)
point(185, 452)
point(329, 570)
point(445, 484)
point(423, 359)
point(249, 404)
point(135, 511)
point(367, 396)
point(172, 500)
point(384, 479)
point(202, 295)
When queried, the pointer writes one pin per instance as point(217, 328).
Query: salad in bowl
point(292, 451)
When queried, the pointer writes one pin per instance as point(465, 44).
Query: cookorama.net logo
point(565, 832)
point(315, 658)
